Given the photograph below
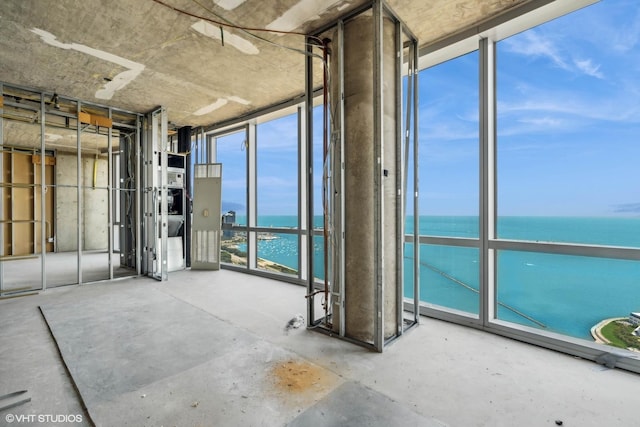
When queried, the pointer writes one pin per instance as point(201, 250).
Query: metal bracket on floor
point(19, 397)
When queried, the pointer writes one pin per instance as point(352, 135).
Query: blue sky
point(568, 120)
point(568, 126)
point(231, 153)
point(277, 152)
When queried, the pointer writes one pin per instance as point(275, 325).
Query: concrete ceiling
point(139, 54)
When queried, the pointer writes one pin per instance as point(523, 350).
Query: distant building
point(634, 318)
point(636, 331)
point(229, 218)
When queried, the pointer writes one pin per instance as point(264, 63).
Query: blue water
point(559, 293)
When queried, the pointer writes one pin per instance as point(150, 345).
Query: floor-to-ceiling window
point(529, 185)
point(231, 150)
point(277, 194)
point(568, 126)
point(262, 182)
point(448, 173)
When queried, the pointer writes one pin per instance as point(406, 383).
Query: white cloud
point(535, 45)
point(617, 108)
point(546, 122)
point(588, 68)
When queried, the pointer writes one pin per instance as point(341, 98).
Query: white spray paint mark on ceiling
point(228, 4)
point(219, 104)
point(209, 30)
point(304, 11)
point(238, 100)
point(211, 107)
point(118, 82)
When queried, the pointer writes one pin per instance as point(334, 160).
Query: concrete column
point(360, 189)
point(390, 199)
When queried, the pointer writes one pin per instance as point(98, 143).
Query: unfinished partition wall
point(68, 227)
point(365, 153)
point(551, 252)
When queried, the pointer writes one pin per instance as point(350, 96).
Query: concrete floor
point(62, 269)
point(437, 374)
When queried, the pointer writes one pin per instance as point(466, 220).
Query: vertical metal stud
point(139, 193)
point(342, 213)
point(302, 191)
point(80, 222)
point(110, 198)
point(400, 185)
point(43, 187)
point(378, 161)
point(164, 211)
point(252, 240)
point(308, 111)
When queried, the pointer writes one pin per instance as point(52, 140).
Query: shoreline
point(596, 332)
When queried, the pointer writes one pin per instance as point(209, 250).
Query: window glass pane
point(233, 247)
point(408, 270)
point(318, 168)
point(563, 293)
point(449, 277)
point(318, 165)
point(318, 257)
point(449, 147)
point(568, 129)
point(278, 172)
point(231, 151)
point(278, 252)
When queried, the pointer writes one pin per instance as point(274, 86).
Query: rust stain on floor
point(299, 376)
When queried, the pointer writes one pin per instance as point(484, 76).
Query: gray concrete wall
point(96, 204)
point(95, 212)
point(66, 203)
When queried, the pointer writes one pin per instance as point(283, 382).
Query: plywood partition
point(21, 203)
point(6, 203)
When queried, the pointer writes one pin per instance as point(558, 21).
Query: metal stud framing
point(380, 13)
point(43, 181)
point(42, 109)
